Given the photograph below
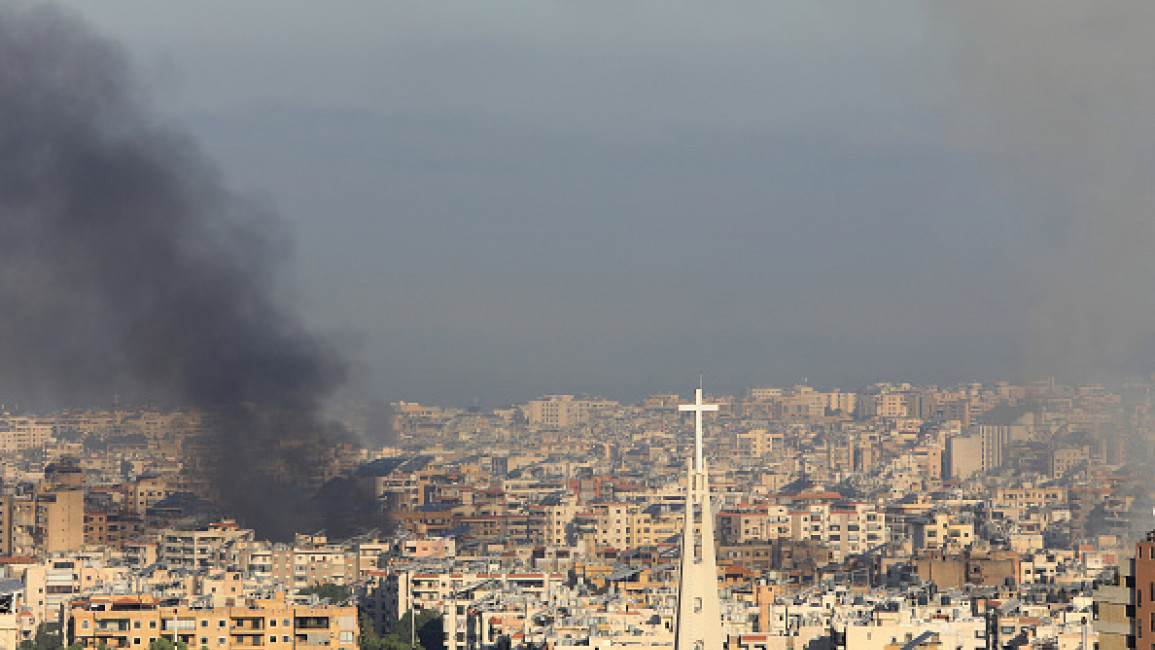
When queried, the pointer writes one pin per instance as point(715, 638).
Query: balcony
point(312, 623)
point(312, 639)
point(239, 641)
point(256, 624)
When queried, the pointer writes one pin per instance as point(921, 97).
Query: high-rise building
point(59, 518)
point(1143, 592)
point(47, 521)
point(1125, 611)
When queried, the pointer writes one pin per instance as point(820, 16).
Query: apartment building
point(304, 566)
point(657, 523)
point(846, 528)
point(18, 433)
point(557, 412)
point(854, 528)
point(146, 492)
point(942, 530)
point(615, 524)
point(753, 524)
point(112, 529)
point(203, 548)
point(277, 624)
point(46, 521)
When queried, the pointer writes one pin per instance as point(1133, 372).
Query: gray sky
point(502, 199)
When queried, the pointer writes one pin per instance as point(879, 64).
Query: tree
point(45, 639)
point(369, 639)
point(328, 591)
point(165, 643)
point(430, 633)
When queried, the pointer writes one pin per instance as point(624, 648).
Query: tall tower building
point(699, 622)
point(1125, 611)
point(1143, 592)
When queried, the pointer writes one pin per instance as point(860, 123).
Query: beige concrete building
point(558, 518)
point(765, 393)
point(615, 524)
point(942, 530)
point(146, 492)
point(137, 621)
point(202, 548)
point(760, 442)
point(557, 412)
point(890, 405)
point(305, 565)
point(1066, 459)
point(964, 456)
point(754, 524)
point(656, 524)
point(19, 433)
point(837, 400)
point(49, 521)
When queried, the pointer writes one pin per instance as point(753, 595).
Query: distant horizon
point(686, 392)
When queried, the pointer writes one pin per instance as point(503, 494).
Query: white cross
point(698, 407)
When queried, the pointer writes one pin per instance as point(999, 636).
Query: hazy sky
point(497, 200)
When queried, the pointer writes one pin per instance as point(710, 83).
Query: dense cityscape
point(975, 516)
point(237, 238)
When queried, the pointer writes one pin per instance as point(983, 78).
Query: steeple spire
point(698, 407)
point(699, 622)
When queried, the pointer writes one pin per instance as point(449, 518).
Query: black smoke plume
point(127, 266)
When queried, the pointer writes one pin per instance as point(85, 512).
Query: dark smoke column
point(127, 266)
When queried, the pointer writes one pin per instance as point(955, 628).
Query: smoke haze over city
point(492, 203)
point(130, 268)
point(354, 325)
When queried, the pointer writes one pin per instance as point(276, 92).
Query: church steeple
point(699, 622)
